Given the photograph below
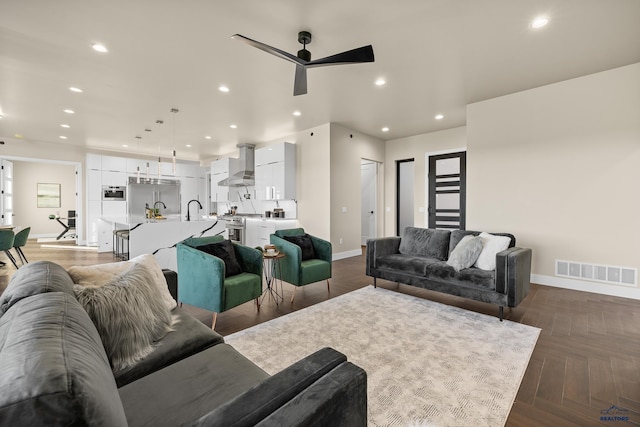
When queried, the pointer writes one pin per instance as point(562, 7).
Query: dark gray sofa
point(54, 371)
point(419, 259)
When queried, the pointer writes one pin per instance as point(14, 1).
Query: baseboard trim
point(348, 254)
point(586, 286)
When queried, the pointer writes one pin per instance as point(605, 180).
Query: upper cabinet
point(275, 172)
point(219, 171)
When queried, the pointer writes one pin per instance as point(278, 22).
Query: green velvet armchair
point(202, 282)
point(296, 270)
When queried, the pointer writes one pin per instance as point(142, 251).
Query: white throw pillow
point(100, 274)
point(491, 245)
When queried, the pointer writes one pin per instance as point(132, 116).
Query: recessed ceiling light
point(18, 135)
point(381, 82)
point(233, 126)
point(207, 137)
point(75, 89)
point(297, 113)
point(99, 48)
point(539, 22)
point(1, 116)
point(63, 137)
point(223, 88)
point(65, 126)
point(188, 145)
point(125, 145)
point(385, 129)
point(439, 117)
point(68, 111)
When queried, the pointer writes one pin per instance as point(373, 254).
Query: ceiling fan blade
point(300, 83)
point(354, 56)
point(270, 49)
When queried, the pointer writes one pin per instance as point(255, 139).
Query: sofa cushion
point(425, 242)
point(54, 369)
point(225, 251)
point(189, 336)
point(469, 277)
point(491, 245)
point(465, 253)
point(305, 243)
point(241, 288)
point(100, 274)
point(129, 315)
point(35, 278)
point(188, 389)
point(314, 270)
point(409, 264)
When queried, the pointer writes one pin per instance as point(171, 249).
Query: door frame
point(426, 174)
point(398, 162)
point(78, 190)
point(376, 196)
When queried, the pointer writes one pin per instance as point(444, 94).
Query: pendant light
point(138, 137)
point(159, 159)
point(173, 152)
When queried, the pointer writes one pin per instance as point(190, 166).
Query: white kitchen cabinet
point(115, 164)
point(94, 212)
point(259, 230)
point(94, 162)
point(94, 185)
point(113, 179)
point(220, 170)
point(275, 172)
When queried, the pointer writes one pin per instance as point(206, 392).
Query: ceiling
point(436, 56)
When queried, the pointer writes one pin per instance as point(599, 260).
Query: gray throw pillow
point(129, 314)
point(466, 252)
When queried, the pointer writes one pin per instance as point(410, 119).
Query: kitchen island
point(157, 236)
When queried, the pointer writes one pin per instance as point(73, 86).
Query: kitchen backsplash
point(259, 207)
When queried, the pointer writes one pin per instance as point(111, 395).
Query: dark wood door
point(447, 190)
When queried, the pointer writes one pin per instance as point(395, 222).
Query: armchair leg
point(258, 303)
point(375, 285)
point(213, 323)
point(294, 294)
point(328, 287)
point(501, 312)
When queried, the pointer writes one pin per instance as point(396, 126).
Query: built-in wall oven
point(114, 193)
point(236, 228)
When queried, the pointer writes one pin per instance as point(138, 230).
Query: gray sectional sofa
point(54, 371)
point(419, 258)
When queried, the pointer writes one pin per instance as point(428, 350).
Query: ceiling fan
point(303, 60)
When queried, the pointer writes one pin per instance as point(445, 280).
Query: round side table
point(272, 269)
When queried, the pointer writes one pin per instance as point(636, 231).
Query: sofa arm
point(262, 400)
point(289, 270)
point(379, 247)
point(172, 282)
point(513, 274)
point(337, 399)
point(322, 249)
point(250, 259)
point(201, 278)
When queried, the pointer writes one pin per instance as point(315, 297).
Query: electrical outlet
point(341, 240)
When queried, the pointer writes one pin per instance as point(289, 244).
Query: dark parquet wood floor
point(586, 360)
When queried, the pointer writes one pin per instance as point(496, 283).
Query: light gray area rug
point(427, 363)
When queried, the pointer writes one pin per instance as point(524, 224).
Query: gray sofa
point(419, 259)
point(54, 371)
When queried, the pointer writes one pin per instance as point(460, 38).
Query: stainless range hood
point(243, 174)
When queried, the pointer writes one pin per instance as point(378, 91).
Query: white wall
point(558, 167)
point(348, 148)
point(26, 211)
point(415, 147)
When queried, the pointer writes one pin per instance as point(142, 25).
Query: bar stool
point(124, 236)
point(115, 248)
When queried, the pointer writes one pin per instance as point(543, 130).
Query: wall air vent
point(611, 274)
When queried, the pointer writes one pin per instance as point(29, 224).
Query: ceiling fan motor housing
point(304, 37)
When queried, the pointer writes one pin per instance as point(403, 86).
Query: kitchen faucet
point(154, 206)
point(189, 204)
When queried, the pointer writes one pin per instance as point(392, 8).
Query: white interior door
point(369, 172)
point(6, 182)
